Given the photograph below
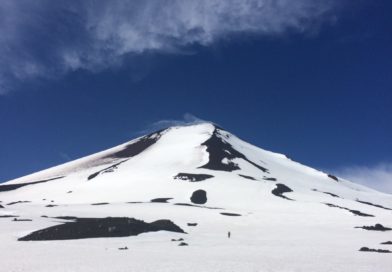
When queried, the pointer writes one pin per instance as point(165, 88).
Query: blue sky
point(311, 79)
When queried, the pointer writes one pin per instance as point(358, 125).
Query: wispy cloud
point(45, 38)
point(187, 120)
point(378, 177)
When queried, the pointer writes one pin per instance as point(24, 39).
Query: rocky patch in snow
point(247, 177)
point(366, 249)
point(374, 205)
point(18, 202)
point(280, 190)
point(10, 187)
point(161, 200)
point(192, 177)
point(230, 214)
point(333, 177)
point(137, 147)
point(83, 228)
point(199, 197)
point(327, 193)
point(376, 227)
point(355, 212)
point(105, 170)
point(222, 153)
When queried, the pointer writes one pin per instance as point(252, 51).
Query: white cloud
point(187, 120)
point(44, 38)
point(378, 177)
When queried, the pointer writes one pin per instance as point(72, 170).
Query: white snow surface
point(272, 233)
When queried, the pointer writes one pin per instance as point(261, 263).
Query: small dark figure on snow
point(228, 235)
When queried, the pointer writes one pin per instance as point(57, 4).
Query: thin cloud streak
point(47, 39)
point(378, 177)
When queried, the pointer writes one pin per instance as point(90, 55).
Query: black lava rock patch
point(247, 177)
point(83, 228)
point(199, 197)
point(374, 205)
point(355, 212)
point(333, 177)
point(219, 150)
point(376, 227)
point(327, 193)
point(10, 187)
point(387, 243)
point(280, 190)
point(18, 202)
point(230, 214)
point(161, 200)
point(192, 177)
point(105, 170)
point(366, 249)
point(137, 147)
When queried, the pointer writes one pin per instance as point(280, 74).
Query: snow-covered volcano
point(201, 184)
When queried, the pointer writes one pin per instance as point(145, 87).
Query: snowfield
point(282, 215)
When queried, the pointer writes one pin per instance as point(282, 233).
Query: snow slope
point(282, 215)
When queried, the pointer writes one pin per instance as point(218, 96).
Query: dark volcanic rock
point(138, 146)
point(16, 219)
point(230, 214)
point(100, 227)
point(280, 190)
point(270, 179)
point(192, 224)
point(192, 177)
point(8, 216)
point(376, 227)
point(10, 187)
point(123, 248)
point(1, 207)
point(199, 197)
point(105, 170)
point(161, 200)
point(247, 177)
point(177, 240)
point(182, 244)
point(218, 150)
point(333, 177)
point(355, 212)
point(366, 249)
point(17, 202)
point(387, 243)
point(374, 205)
point(51, 206)
point(327, 193)
point(100, 203)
